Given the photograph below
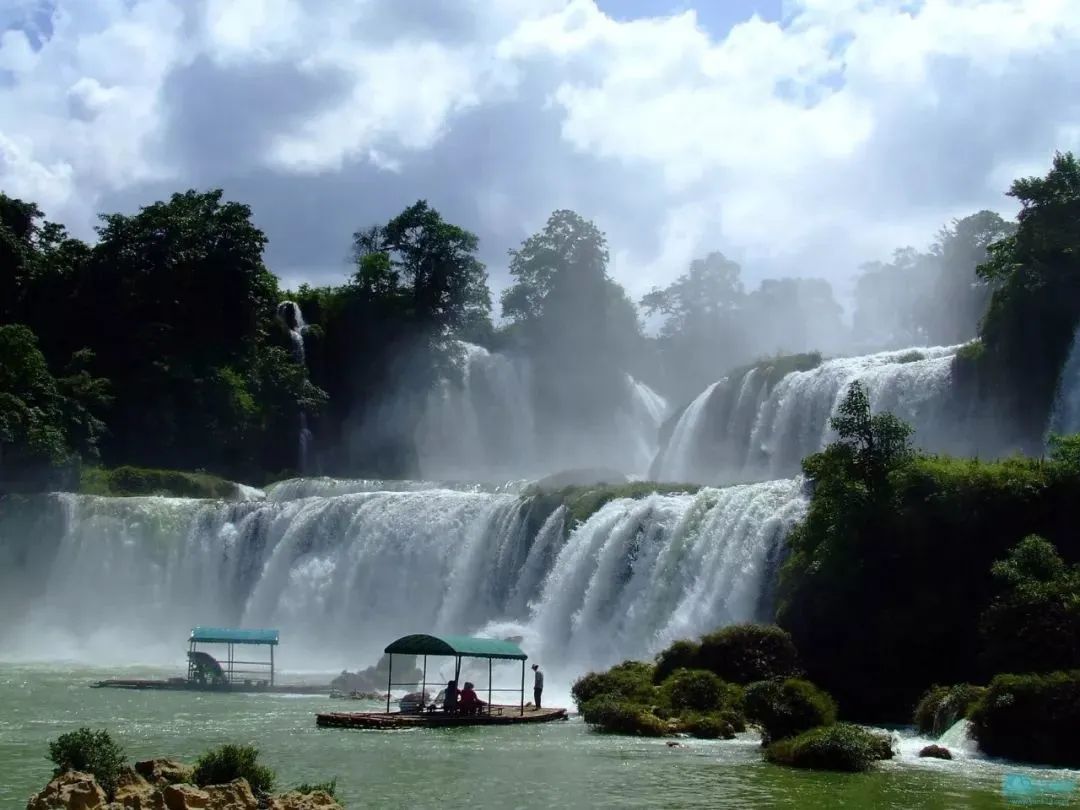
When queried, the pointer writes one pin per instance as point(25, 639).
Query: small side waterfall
point(290, 315)
point(748, 427)
point(484, 427)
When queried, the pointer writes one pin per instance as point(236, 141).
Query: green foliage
point(743, 653)
point(839, 747)
point(329, 788)
point(872, 445)
point(609, 713)
point(942, 706)
point(971, 352)
point(722, 725)
point(89, 751)
point(1031, 718)
point(1065, 453)
point(911, 357)
point(885, 597)
point(1035, 307)
point(222, 765)
point(698, 690)
point(1033, 624)
point(629, 681)
point(125, 481)
point(682, 654)
point(789, 707)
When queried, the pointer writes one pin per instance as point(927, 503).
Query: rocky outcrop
point(936, 752)
point(72, 790)
point(148, 788)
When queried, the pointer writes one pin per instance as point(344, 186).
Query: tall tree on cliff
point(577, 324)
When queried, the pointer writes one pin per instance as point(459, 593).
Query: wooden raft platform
point(500, 716)
point(180, 685)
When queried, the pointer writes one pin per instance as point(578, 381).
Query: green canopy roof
point(232, 635)
point(456, 645)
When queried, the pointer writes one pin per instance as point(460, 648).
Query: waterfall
point(747, 427)
point(123, 579)
point(484, 426)
point(1065, 416)
point(290, 315)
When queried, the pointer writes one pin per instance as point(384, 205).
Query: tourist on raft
point(450, 697)
point(538, 684)
point(469, 702)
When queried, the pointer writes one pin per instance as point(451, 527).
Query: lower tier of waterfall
point(342, 569)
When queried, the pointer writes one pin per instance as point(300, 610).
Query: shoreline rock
point(75, 790)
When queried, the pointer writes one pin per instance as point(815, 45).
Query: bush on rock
point(744, 653)
point(838, 747)
point(1031, 718)
point(222, 765)
point(786, 708)
point(942, 706)
point(88, 751)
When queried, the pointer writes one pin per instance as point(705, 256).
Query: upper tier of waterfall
point(750, 427)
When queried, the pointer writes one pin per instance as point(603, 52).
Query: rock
point(72, 790)
point(185, 797)
point(236, 795)
point(936, 751)
point(316, 800)
point(163, 771)
point(135, 793)
point(673, 744)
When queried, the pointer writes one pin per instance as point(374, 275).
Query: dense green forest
point(165, 344)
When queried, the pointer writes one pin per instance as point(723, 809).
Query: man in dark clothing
point(450, 699)
point(538, 684)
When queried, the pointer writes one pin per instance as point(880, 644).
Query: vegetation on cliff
point(126, 481)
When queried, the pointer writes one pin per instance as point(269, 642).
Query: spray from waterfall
point(291, 316)
point(1065, 416)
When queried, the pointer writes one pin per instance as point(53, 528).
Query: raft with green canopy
point(424, 646)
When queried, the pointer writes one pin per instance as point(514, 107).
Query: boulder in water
point(72, 790)
point(936, 752)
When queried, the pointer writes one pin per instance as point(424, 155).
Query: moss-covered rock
point(1031, 718)
point(698, 690)
point(942, 706)
point(839, 747)
point(609, 713)
point(785, 708)
point(630, 680)
point(127, 481)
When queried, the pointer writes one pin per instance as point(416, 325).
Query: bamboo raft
point(499, 716)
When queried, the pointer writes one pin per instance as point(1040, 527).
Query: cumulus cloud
point(801, 146)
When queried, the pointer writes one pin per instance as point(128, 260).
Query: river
point(554, 765)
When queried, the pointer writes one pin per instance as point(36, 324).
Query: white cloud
point(803, 147)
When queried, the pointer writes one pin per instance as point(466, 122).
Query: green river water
point(554, 765)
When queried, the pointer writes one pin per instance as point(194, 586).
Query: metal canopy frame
point(456, 647)
point(230, 638)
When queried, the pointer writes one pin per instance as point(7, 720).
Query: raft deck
point(181, 685)
point(500, 716)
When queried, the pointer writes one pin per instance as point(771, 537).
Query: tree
point(43, 421)
point(578, 325)
point(702, 334)
point(873, 444)
point(794, 315)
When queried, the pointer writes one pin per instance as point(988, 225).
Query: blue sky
point(802, 149)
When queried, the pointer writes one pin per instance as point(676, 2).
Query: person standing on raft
point(538, 684)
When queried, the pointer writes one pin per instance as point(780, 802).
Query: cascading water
point(745, 428)
point(342, 573)
point(293, 319)
point(1065, 416)
point(484, 427)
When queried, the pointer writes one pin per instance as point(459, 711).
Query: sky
point(801, 138)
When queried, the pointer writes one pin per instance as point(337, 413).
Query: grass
point(583, 502)
point(130, 481)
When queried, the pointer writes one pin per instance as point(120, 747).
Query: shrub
point(91, 752)
point(329, 788)
point(839, 747)
point(222, 765)
point(714, 725)
point(744, 653)
point(623, 717)
point(680, 655)
point(942, 706)
point(911, 357)
point(786, 708)
point(698, 690)
point(630, 680)
point(1032, 718)
point(126, 481)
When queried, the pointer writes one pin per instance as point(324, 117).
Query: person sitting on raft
point(469, 702)
point(450, 698)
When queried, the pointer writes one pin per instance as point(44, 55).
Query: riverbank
point(561, 764)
